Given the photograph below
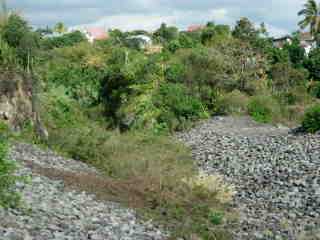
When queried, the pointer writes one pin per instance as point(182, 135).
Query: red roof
point(97, 33)
point(194, 28)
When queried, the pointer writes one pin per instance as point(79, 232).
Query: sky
point(280, 16)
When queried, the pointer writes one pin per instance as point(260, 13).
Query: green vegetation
point(8, 196)
point(262, 108)
point(114, 105)
point(311, 121)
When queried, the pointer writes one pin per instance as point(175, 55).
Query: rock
point(274, 170)
point(58, 213)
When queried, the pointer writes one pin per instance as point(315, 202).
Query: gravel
point(51, 211)
point(276, 175)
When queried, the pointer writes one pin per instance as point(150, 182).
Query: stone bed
point(276, 175)
point(53, 212)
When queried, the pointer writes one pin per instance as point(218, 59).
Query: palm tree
point(311, 13)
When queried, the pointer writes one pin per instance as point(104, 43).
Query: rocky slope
point(276, 174)
point(53, 211)
point(15, 98)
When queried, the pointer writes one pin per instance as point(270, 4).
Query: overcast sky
point(280, 16)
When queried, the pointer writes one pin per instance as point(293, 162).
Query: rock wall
point(15, 98)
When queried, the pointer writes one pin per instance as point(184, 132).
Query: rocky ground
point(276, 174)
point(52, 211)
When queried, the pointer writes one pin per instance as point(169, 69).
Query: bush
point(311, 121)
point(175, 73)
point(69, 39)
point(315, 90)
point(263, 108)
point(312, 63)
point(176, 104)
point(284, 77)
point(8, 196)
point(235, 102)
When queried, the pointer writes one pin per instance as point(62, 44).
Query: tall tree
point(311, 14)
point(245, 30)
point(166, 34)
point(14, 30)
point(60, 27)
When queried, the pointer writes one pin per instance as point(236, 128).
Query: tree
point(14, 30)
point(245, 30)
point(166, 34)
point(313, 64)
point(296, 53)
point(284, 77)
point(26, 50)
point(207, 34)
point(60, 28)
point(263, 30)
point(69, 39)
point(311, 13)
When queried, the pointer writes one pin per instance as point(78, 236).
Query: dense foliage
point(311, 121)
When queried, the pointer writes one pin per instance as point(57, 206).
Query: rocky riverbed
point(53, 212)
point(276, 175)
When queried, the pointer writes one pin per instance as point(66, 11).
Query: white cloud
point(279, 15)
point(149, 22)
point(220, 15)
point(276, 31)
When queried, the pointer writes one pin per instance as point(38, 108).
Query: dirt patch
point(104, 189)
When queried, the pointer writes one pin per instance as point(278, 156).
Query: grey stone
point(275, 171)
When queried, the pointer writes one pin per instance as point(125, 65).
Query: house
point(280, 42)
point(143, 41)
point(52, 35)
point(195, 28)
point(95, 33)
point(307, 41)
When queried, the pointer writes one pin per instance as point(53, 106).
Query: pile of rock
point(277, 175)
point(53, 212)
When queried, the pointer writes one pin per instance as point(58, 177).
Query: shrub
point(263, 108)
point(311, 121)
point(69, 39)
point(176, 103)
point(8, 196)
point(284, 76)
point(312, 63)
point(235, 102)
point(175, 73)
point(315, 90)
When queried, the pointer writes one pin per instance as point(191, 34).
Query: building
point(95, 33)
point(307, 42)
point(195, 28)
point(143, 41)
point(280, 42)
